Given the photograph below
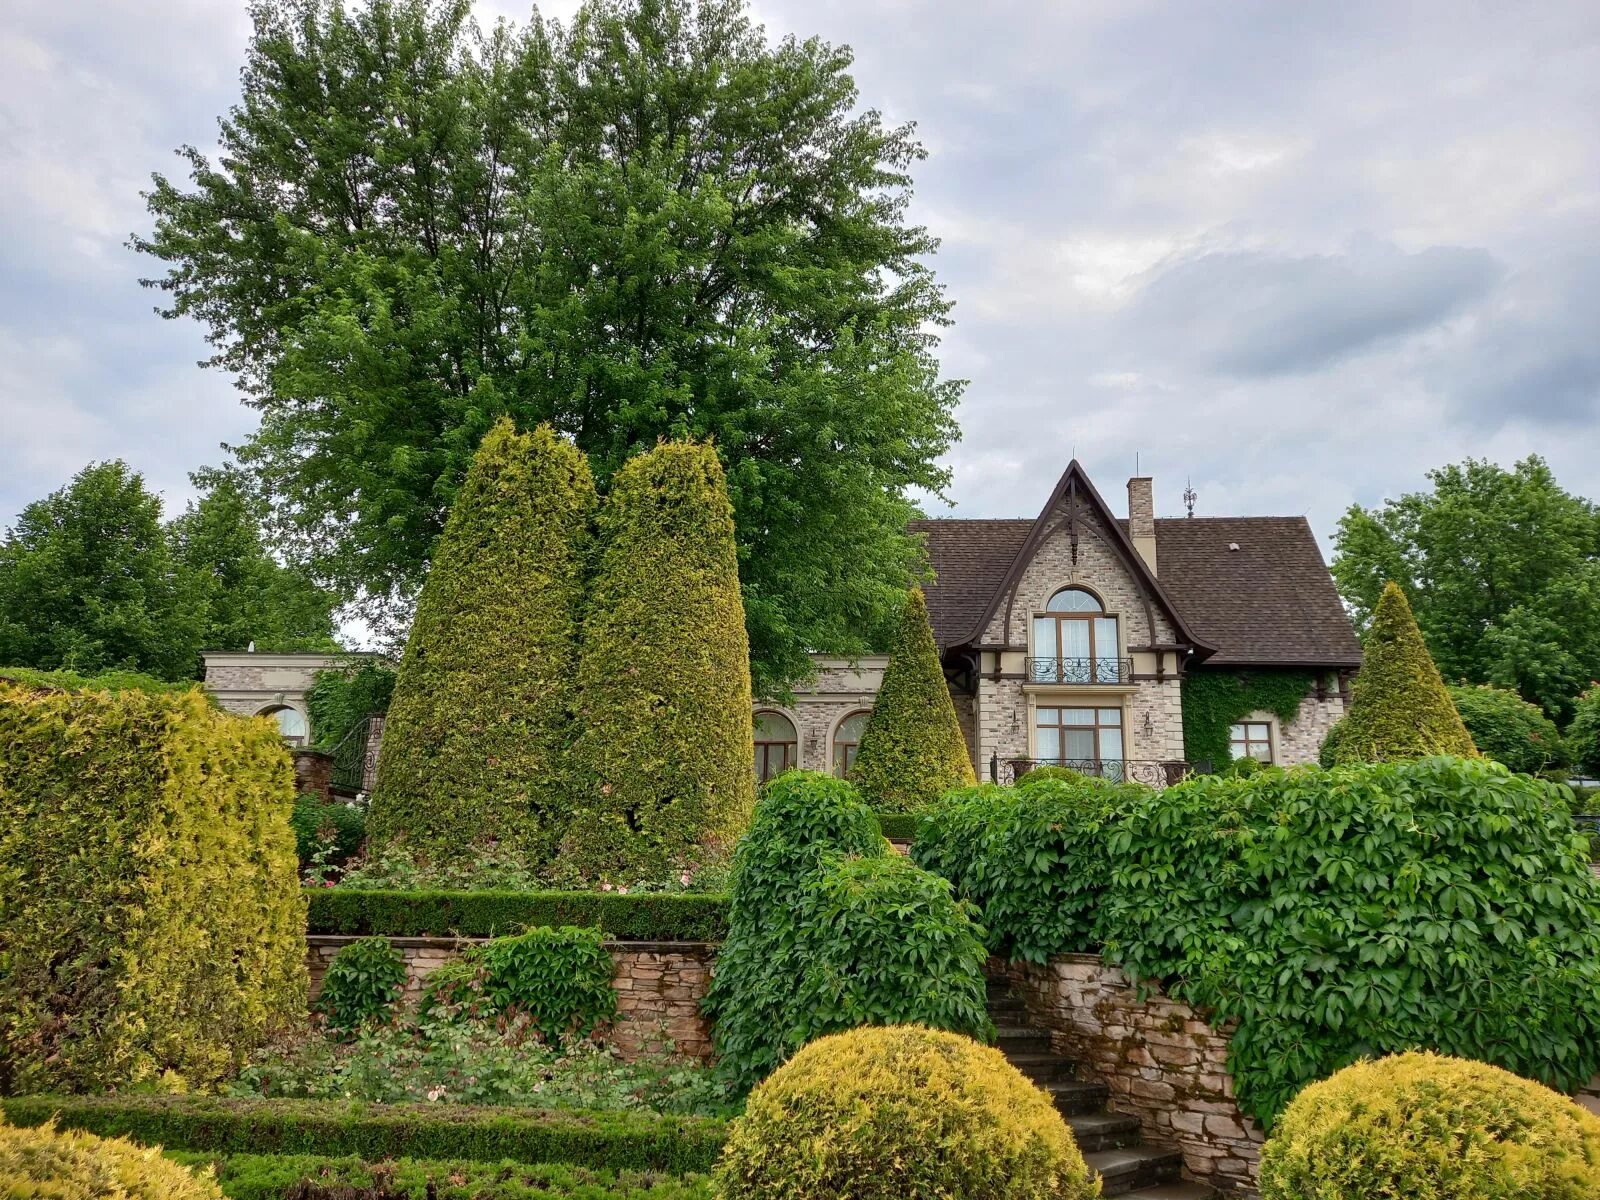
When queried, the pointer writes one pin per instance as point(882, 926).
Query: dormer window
point(1075, 641)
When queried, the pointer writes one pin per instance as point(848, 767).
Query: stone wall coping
point(451, 943)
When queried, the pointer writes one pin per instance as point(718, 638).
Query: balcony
point(1116, 770)
point(1082, 672)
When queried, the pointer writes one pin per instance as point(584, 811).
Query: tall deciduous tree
point(1503, 568)
point(912, 751)
point(88, 582)
point(665, 761)
point(650, 222)
point(473, 746)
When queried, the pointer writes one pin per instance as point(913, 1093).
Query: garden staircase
point(1111, 1142)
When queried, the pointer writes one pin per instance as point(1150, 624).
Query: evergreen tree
point(665, 759)
point(1399, 706)
point(912, 751)
point(479, 721)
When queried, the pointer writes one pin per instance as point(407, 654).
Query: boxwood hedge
point(665, 917)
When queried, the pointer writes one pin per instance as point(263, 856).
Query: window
point(290, 723)
point(776, 745)
point(1085, 739)
point(1251, 739)
point(846, 740)
point(1074, 641)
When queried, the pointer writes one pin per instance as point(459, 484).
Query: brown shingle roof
point(1271, 602)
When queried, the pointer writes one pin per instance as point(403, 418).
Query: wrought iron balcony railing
point(1117, 770)
point(1086, 671)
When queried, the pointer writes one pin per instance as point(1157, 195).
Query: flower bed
point(650, 917)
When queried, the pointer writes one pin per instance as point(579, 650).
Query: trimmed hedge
point(271, 1176)
point(898, 826)
point(912, 750)
point(619, 1141)
point(639, 917)
point(476, 733)
point(665, 761)
point(151, 921)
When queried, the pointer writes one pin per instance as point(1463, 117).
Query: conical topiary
point(912, 751)
point(1399, 707)
point(479, 723)
point(665, 760)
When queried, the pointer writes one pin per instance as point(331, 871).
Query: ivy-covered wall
point(1214, 698)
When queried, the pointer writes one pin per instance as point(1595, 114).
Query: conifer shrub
point(1508, 729)
point(1032, 858)
point(665, 760)
point(53, 1164)
point(828, 930)
point(479, 721)
point(364, 979)
point(1426, 1125)
point(1442, 903)
point(1399, 707)
point(912, 751)
point(151, 921)
point(882, 1114)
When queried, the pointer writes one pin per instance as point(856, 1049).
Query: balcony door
point(1086, 739)
point(1074, 641)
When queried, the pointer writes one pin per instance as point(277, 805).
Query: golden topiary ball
point(1428, 1127)
point(49, 1164)
point(901, 1111)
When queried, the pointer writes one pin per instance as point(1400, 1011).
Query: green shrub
point(1047, 774)
point(344, 695)
point(1399, 708)
point(1032, 858)
point(912, 750)
point(40, 1162)
point(828, 929)
point(329, 827)
point(362, 981)
point(102, 681)
point(898, 826)
point(478, 726)
point(684, 917)
point(1508, 729)
point(151, 923)
point(560, 978)
point(1583, 734)
point(1442, 903)
point(665, 759)
point(273, 1176)
point(882, 1114)
point(1422, 1125)
point(602, 1140)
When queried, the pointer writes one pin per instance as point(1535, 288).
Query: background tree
point(912, 751)
point(1399, 708)
point(1508, 729)
point(88, 582)
point(478, 723)
point(249, 595)
point(665, 759)
point(650, 222)
point(1503, 568)
point(1583, 735)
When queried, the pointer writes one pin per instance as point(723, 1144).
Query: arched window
point(846, 740)
point(290, 723)
point(776, 745)
point(1074, 641)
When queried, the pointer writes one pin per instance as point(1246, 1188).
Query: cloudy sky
point(1299, 253)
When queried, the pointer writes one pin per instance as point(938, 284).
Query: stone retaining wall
point(659, 986)
point(1162, 1062)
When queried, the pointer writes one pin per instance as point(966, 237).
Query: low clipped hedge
point(617, 1141)
point(271, 1176)
point(640, 917)
point(898, 826)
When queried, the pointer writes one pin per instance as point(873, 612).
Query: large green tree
point(88, 581)
point(1502, 568)
point(652, 221)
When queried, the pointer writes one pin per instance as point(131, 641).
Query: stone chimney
point(1142, 518)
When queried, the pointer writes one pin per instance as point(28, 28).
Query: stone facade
point(249, 683)
point(1301, 739)
point(659, 987)
point(313, 773)
point(1162, 1061)
point(842, 688)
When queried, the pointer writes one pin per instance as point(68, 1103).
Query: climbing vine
point(1214, 699)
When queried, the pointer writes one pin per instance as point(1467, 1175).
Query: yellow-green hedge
point(151, 922)
point(72, 1165)
point(889, 1112)
point(1425, 1126)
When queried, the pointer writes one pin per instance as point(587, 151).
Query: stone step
point(1103, 1130)
point(1042, 1067)
point(1173, 1191)
point(1021, 1039)
point(1074, 1098)
point(1122, 1171)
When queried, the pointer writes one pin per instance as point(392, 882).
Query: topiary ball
point(889, 1112)
point(1422, 1124)
point(51, 1165)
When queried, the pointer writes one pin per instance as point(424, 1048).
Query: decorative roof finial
point(1189, 495)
